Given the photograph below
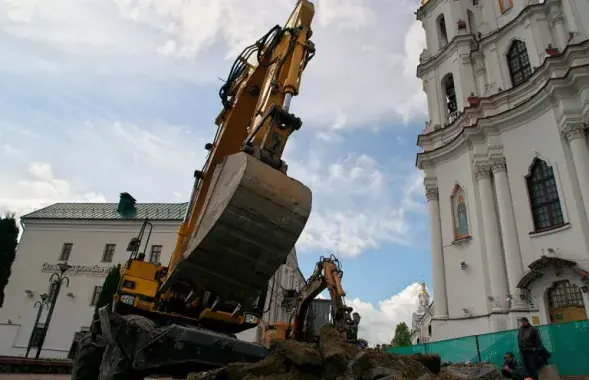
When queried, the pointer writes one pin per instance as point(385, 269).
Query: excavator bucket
point(251, 220)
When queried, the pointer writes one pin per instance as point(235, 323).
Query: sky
point(98, 97)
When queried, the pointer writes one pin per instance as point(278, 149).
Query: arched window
point(544, 200)
point(449, 91)
point(417, 340)
point(429, 330)
point(518, 62)
point(442, 32)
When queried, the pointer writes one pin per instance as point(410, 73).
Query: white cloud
point(358, 204)
point(39, 188)
point(378, 323)
point(363, 73)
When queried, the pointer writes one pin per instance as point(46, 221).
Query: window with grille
point(565, 294)
point(544, 200)
point(518, 62)
point(155, 255)
point(109, 252)
point(66, 250)
point(95, 295)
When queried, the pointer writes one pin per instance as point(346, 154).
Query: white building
point(506, 161)
point(92, 237)
point(421, 330)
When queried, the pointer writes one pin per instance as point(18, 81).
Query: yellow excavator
point(243, 219)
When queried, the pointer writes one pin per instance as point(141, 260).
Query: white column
point(492, 240)
point(513, 257)
point(575, 135)
point(438, 271)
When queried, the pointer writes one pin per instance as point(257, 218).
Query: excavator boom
point(245, 213)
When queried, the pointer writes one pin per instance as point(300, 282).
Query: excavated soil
point(332, 359)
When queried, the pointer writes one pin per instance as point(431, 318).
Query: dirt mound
point(332, 359)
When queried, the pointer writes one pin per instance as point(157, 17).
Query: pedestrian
point(511, 368)
point(530, 347)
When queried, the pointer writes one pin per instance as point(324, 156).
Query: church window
point(505, 5)
point(459, 213)
point(518, 62)
point(450, 94)
point(544, 198)
point(442, 32)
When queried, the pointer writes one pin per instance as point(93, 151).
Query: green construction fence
point(567, 342)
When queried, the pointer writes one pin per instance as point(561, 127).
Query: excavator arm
point(244, 212)
point(327, 275)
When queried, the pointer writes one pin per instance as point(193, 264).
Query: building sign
point(79, 270)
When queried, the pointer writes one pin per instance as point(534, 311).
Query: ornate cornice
point(482, 171)
point(572, 132)
point(498, 165)
point(476, 123)
point(432, 193)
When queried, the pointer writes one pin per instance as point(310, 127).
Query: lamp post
point(56, 280)
point(41, 305)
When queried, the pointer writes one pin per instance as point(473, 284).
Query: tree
point(109, 289)
point(402, 336)
point(8, 243)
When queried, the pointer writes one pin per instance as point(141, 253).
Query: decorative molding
point(476, 124)
point(526, 295)
point(572, 132)
point(432, 193)
point(498, 165)
point(482, 171)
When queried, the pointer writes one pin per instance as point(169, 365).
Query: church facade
point(505, 156)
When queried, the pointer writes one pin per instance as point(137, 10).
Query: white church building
point(505, 157)
point(92, 238)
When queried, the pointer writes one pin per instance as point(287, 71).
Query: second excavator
point(243, 219)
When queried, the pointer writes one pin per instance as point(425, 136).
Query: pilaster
point(511, 246)
point(575, 136)
point(499, 288)
point(437, 251)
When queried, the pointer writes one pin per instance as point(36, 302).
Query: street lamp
point(56, 280)
point(40, 304)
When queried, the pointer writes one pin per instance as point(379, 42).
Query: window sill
point(550, 230)
point(461, 241)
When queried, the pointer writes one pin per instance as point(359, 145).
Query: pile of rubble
point(333, 359)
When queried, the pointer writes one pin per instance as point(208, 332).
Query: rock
point(382, 373)
point(427, 376)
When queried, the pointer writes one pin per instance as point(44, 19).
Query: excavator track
point(135, 346)
point(252, 218)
